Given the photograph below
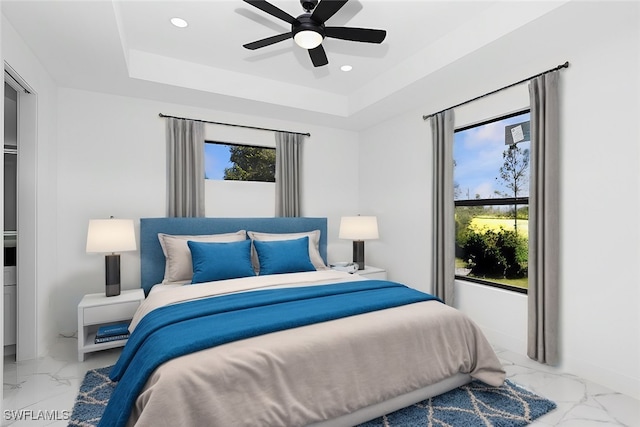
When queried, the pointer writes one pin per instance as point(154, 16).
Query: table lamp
point(111, 236)
point(358, 228)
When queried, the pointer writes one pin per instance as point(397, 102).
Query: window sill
point(491, 284)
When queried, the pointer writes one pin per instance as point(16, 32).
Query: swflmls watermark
point(36, 415)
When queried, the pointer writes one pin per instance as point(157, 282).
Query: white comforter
point(312, 373)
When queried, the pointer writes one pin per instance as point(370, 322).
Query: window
point(225, 161)
point(491, 194)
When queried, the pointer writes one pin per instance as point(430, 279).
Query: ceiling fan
point(308, 30)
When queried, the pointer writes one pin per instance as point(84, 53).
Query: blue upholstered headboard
point(152, 258)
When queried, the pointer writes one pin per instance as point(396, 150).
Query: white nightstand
point(97, 310)
point(370, 272)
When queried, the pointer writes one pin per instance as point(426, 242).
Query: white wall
point(600, 192)
point(233, 198)
point(111, 161)
point(395, 186)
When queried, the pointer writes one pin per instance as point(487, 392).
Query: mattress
point(321, 373)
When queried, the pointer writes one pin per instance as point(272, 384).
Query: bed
point(297, 344)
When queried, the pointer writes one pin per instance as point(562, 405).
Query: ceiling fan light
point(308, 39)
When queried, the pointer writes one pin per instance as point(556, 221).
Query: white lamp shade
point(308, 39)
point(111, 235)
point(358, 227)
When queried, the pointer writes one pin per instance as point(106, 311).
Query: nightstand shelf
point(97, 310)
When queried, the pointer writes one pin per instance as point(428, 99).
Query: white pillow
point(178, 265)
point(314, 246)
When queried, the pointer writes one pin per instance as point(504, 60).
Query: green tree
point(251, 164)
point(514, 174)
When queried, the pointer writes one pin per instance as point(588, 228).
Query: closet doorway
point(19, 238)
point(10, 218)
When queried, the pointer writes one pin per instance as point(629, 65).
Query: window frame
point(503, 201)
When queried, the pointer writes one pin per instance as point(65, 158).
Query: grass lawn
point(518, 283)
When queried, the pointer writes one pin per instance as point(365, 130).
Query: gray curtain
point(443, 240)
point(544, 226)
point(185, 168)
point(288, 148)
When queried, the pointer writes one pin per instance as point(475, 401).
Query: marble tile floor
point(51, 384)
point(580, 403)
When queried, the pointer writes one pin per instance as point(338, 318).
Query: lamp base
point(358, 253)
point(113, 290)
point(112, 275)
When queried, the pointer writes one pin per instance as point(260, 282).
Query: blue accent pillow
point(283, 256)
point(219, 261)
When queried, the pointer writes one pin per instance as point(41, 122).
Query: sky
point(478, 156)
point(216, 159)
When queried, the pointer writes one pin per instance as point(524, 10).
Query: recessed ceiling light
point(179, 22)
point(346, 68)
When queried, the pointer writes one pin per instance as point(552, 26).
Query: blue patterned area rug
point(95, 391)
point(471, 405)
point(474, 404)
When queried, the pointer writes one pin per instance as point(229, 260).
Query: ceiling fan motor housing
point(305, 23)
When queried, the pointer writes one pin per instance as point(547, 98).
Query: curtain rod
point(559, 67)
point(235, 125)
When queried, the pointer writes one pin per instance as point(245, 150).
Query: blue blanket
point(180, 329)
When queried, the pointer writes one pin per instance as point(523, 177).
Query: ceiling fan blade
point(326, 9)
point(318, 56)
point(272, 10)
point(367, 35)
point(268, 41)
